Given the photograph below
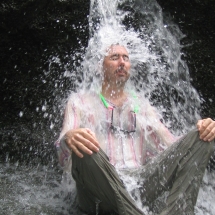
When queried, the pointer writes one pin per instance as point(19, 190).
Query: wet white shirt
point(125, 150)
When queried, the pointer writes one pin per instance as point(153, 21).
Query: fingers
point(91, 133)
point(82, 141)
point(199, 124)
point(206, 129)
point(78, 148)
point(92, 137)
point(76, 151)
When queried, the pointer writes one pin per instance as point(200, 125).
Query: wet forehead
point(117, 49)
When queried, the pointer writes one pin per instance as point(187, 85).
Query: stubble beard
point(115, 79)
point(121, 80)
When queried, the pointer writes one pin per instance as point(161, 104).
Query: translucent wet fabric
point(125, 150)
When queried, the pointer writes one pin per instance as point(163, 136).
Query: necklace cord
point(136, 108)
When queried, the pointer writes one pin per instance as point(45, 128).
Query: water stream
point(158, 72)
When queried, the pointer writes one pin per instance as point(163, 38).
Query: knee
point(207, 146)
point(86, 159)
point(191, 141)
point(82, 167)
point(195, 133)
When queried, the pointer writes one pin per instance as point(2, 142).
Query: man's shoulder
point(82, 97)
point(141, 104)
point(138, 98)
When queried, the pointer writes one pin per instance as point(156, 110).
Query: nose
point(121, 61)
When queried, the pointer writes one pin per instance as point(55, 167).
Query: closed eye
point(125, 58)
point(114, 57)
point(117, 56)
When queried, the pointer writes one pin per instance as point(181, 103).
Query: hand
point(82, 140)
point(206, 129)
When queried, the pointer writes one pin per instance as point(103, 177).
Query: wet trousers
point(178, 170)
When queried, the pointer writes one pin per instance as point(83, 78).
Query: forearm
point(63, 152)
point(167, 137)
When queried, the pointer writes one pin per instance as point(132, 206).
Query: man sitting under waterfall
point(114, 131)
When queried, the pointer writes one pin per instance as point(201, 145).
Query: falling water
point(158, 73)
point(158, 70)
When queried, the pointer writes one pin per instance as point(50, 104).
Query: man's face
point(116, 65)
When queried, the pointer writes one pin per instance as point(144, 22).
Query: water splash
point(43, 190)
point(158, 70)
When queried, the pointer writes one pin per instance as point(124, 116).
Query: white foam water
point(42, 190)
point(158, 70)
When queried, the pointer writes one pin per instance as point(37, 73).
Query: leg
point(97, 181)
point(179, 170)
point(188, 177)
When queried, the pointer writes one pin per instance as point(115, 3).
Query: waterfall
point(158, 72)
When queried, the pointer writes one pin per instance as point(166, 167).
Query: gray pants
point(178, 170)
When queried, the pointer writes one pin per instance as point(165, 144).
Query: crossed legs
point(178, 170)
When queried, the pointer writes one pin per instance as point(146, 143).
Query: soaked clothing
point(124, 150)
point(99, 184)
point(146, 154)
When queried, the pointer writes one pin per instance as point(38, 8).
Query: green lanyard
point(104, 101)
point(136, 108)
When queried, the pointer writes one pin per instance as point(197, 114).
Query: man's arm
point(206, 128)
point(163, 132)
point(70, 121)
point(72, 137)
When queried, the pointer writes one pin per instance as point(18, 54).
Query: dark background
point(32, 31)
point(196, 19)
